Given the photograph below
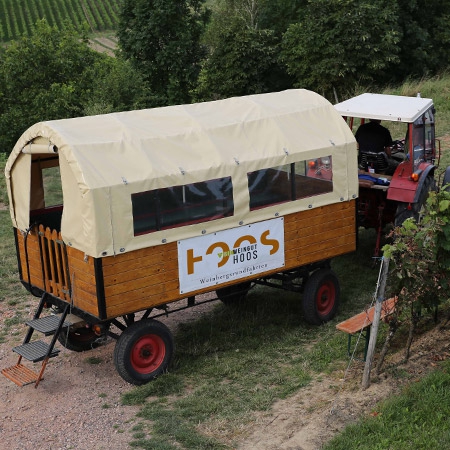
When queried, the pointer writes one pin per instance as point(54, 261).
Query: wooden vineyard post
point(376, 321)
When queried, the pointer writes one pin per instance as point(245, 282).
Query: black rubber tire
point(144, 351)
point(234, 294)
point(405, 212)
point(446, 179)
point(78, 339)
point(321, 297)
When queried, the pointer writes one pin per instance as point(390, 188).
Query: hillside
point(17, 17)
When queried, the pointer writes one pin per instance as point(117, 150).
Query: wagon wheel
point(321, 297)
point(407, 210)
point(143, 351)
point(234, 294)
point(78, 339)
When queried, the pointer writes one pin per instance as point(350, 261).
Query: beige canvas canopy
point(105, 159)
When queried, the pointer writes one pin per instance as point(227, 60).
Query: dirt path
point(315, 414)
point(104, 45)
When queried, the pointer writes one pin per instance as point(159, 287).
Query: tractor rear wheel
point(446, 180)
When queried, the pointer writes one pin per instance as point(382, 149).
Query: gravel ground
point(77, 405)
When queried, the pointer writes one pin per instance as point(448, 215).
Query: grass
point(233, 363)
point(93, 360)
point(437, 88)
point(417, 419)
point(236, 362)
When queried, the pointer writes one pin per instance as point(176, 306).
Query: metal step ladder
point(37, 350)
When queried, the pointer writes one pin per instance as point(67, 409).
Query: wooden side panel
point(43, 261)
point(320, 233)
point(83, 280)
point(149, 277)
point(32, 272)
point(54, 263)
point(141, 279)
point(81, 273)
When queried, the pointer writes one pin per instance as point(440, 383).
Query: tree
point(43, 77)
point(342, 42)
point(245, 62)
point(116, 86)
point(162, 39)
point(277, 15)
point(425, 46)
point(54, 74)
point(243, 57)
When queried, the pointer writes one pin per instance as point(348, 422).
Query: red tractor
point(392, 198)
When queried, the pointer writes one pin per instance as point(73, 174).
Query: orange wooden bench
point(362, 322)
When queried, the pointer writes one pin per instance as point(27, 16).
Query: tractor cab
point(412, 125)
point(393, 181)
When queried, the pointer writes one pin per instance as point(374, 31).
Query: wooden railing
point(54, 263)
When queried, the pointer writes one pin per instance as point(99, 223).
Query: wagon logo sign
point(230, 254)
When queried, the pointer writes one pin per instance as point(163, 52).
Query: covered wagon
point(115, 215)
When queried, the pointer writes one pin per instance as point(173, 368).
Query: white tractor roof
point(394, 108)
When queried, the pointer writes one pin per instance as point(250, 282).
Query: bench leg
point(366, 344)
point(366, 334)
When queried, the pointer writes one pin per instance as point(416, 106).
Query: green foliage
point(162, 39)
point(277, 15)
point(340, 43)
point(244, 62)
point(244, 38)
point(327, 45)
point(421, 255)
point(18, 17)
point(116, 87)
point(46, 76)
point(425, 45)
point(54, 74)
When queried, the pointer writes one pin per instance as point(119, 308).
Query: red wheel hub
point(326, 297)
point(148, 353)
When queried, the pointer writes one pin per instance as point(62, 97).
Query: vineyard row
point(18, 17)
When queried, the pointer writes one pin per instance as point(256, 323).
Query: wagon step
point(35, 351)
point(20, 374)
point(47, 325)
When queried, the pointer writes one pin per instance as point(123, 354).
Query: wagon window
point(182, 205)
point(46, 196)
point(46, 190)
point(52, 186)
point(290, 182)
